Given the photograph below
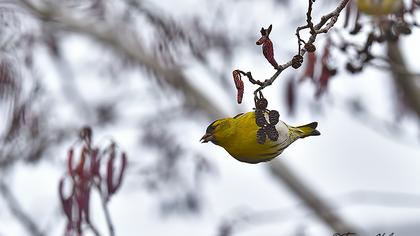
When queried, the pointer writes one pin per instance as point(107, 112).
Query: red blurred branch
point(86, 175)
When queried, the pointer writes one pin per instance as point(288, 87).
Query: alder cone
point(260, 119)
point(297, 61)
point(273, 117)
point(261, 136)
point(261, 104)
point(310, 47)
point(271, 132)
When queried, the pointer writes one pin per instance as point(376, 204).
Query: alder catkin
point(271, 132)
point(273, 117)
point(261, 136)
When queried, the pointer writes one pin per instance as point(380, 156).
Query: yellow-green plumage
point(379, 7)
point(238, 137)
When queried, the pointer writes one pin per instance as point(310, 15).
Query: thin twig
point(250, 78)
point(17, 211)
point(330, 19)
point(93, 228)
point(309, 16)
point(108, 217)
point(104, 201)
point(300, 40)
point(309, 24)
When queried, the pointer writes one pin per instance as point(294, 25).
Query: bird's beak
point(207, 137)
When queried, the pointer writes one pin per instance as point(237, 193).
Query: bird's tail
point(308, 130)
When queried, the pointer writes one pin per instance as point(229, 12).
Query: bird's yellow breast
point(243, 145)
point(379, 7)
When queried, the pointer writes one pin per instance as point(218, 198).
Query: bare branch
point(320, 207)
point(174, 76)
point(250, 78)
point(405, 81)
point(309, 25)
point(93, 228)
point(398, 69)
point(309, 16)
point(330, 18)
point(17, 211)
point(238, 221)
point(108, 219)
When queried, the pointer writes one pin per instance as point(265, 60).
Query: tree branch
point(405, 81)
point(108, 219)
point(309, 25)
point(17, 211)
point(132, 49)
point(330, 19)
point(314, 202)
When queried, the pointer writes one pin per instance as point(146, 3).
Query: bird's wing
point(238, 115)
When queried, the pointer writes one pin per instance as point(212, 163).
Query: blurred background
point(152, 75)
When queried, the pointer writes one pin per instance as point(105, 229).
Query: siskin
point(238, 136)
point(379, 7)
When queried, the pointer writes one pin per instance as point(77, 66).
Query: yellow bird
point(379, 7)
point(238, 136)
